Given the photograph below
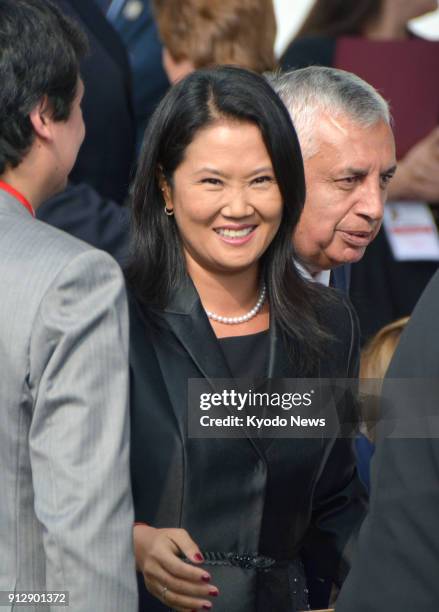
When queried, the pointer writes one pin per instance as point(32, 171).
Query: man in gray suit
point(65, 510)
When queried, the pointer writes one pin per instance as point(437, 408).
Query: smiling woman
point(227, 204)
point(218, 193)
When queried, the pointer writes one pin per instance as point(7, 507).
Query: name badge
point(411, 231)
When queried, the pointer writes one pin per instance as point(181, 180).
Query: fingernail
point(207, 607)
point(198, 557)
point(213, 592)
point(205, 578)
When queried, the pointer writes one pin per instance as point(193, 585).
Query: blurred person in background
point(203, 33)
point(134, 22)
point(375, 360)
point(377, 354)
point(218, 192)
point(371, 39)
point(106, 159)
point(343, 126)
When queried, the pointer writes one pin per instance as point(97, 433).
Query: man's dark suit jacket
point(397, 565)
point(107, 154)
point(341, 278)
point(82, 212)
point(141, 38)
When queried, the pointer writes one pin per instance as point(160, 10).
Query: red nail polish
point(205, 578)
point(198, 557)
point(207, 607)
point(213, 592)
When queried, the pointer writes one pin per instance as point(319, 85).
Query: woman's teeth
point(229, 233)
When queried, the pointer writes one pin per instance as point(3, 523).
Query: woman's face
point(225, 197)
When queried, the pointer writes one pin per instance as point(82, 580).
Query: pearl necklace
point(244, 318)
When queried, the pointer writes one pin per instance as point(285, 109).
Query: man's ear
point(41, 120)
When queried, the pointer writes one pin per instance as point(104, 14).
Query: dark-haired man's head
point(41, 126)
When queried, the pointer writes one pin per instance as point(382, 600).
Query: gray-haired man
point(343, 125)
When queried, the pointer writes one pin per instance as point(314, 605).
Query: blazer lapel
point(188, 321)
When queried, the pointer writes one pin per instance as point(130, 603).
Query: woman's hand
point(417, 176)
point(177, 584)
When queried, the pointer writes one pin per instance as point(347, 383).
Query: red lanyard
point(17, 195)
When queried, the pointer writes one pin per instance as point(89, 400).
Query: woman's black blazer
point(291, 497)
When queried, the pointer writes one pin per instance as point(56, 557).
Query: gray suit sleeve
point(80, 434)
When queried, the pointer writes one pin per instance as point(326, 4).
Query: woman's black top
point(246, 356)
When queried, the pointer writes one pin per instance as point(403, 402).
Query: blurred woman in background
point(205, 33)
point(375, 359)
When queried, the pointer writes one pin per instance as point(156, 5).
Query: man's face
point(346, 184)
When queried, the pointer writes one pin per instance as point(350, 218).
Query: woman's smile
point(236, 235)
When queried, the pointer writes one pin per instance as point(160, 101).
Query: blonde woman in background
point(205, 33)
point(375, 360)
point(377, 354)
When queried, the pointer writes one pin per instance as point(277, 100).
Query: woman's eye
point(211, 181)
point(260, 180)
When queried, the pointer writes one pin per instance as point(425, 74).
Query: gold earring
point(169, 212)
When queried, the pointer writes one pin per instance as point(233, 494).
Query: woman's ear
point(166, 191)
point(41, 120)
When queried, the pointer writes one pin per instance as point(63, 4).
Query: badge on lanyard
point(133, 9)
point(411, 231)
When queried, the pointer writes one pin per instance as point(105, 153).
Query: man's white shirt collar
point(321, 277)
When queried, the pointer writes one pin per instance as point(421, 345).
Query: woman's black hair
point(158, 266)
